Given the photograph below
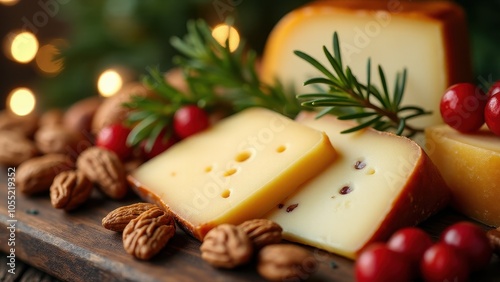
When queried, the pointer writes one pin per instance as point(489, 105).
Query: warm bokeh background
point(127, 36)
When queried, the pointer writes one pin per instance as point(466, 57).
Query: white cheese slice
point(429, 39)
point(378, 183)
point(239, 169)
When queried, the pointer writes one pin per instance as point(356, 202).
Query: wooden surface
point(74, 247)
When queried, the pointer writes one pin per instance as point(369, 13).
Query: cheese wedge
point(239, 169)
point(470, 165)
point(378, 183)
point(428, 38)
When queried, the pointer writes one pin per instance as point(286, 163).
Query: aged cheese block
point(470, 165)
point(237, 170)
point(378, 183)
point(428, 38)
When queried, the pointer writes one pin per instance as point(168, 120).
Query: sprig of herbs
point(350, 99)
point(216, 78)
point(210, 68)
point(220, 80)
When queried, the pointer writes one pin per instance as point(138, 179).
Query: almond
point(118, 218)
point(36, 175)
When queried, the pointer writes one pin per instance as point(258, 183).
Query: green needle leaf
point(362, 125)
point(315, 63)
point(356, 116)
point(350, 99)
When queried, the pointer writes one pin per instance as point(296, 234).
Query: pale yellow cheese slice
point(429, 39)
point(378, 183)
point(470, 164)
point(237, 170)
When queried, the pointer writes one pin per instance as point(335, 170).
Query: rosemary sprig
point(350, 99)
point(217, 79)
point(211, 67)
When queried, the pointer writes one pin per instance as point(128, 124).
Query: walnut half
point(146, 235)
point(104, 168)
point(286, 262)
point(69, 190)
point(262, 232)
point(226, 246)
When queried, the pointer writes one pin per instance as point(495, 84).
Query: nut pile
point(146, 228)
point(55, 152)
point(229, 246)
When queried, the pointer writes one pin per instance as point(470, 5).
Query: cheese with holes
point(378, 184)
point(470, 164)
point(238, 169)
point(429, 39)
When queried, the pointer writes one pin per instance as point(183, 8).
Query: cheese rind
point(378, 183)
point(429, 39)
point(470, 165)
point(237, 170)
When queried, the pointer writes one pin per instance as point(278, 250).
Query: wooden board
point(75, 247)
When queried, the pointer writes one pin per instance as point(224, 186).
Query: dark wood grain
point(75, 247)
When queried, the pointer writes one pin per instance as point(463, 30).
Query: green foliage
point(217, 79)
point(350, 99)
point(136, 34)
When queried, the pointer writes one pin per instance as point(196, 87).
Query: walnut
point(36, 175)
point(58, 139)
point(15, 148)
point(284, 262)
point(118, 218)
point(69, 190)
point(79, 116)
point(226, 246)
point(51, 117)
point(26, 125)
point(262, 232)
point(146, 235)
point(104, 168)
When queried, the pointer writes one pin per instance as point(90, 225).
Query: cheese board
point(73, 246)
point(214, 159)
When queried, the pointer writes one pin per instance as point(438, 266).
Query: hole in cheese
point(229, 172)
point(281, 149)
point(226, 193)
point(371, 171)
point(243, 156)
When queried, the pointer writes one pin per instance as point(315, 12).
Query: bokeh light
point(21, 101)
point(221, 33)
point(23, 46)
point(109, 83)
point(9, 2)
point(47, 61)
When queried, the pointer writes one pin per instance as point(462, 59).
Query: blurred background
point(55, 52)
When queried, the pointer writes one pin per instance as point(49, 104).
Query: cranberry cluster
point(187, 120)
point(466, 108)
point(411, 254)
